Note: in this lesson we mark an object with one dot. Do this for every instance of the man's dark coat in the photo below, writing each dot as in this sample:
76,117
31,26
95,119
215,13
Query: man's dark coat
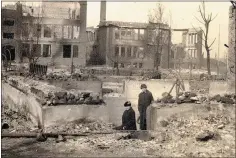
144,100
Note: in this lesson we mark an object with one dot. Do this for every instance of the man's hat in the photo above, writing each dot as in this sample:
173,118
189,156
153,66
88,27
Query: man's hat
143,86
128,103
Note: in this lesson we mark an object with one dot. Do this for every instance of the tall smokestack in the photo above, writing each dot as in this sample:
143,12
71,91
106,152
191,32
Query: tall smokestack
83,20
103,11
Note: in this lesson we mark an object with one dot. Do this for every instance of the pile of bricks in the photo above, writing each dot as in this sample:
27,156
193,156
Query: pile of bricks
187,97
61,98
57,77
226,99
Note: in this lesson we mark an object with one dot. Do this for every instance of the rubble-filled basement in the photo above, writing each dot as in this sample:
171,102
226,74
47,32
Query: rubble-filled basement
68,117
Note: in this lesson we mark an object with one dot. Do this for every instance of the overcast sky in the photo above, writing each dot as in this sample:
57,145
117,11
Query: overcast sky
181,15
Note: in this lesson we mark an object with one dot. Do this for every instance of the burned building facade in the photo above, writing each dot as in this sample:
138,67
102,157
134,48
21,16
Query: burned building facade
188,54
130,45
192,41
55,33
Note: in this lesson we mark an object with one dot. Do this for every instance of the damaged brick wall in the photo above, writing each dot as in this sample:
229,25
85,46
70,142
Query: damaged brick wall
232,45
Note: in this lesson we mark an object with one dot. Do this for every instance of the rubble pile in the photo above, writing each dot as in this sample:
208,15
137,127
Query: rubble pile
186,97
51,95
60,77
63,97
190,97
14,121
226,99
187,134
80,126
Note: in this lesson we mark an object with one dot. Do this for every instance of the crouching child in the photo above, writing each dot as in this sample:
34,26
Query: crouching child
128,118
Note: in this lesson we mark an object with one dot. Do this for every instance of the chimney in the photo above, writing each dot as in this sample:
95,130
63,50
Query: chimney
83,20
103,11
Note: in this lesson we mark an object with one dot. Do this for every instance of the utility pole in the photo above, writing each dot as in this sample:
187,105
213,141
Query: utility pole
72,63
169,50
226,60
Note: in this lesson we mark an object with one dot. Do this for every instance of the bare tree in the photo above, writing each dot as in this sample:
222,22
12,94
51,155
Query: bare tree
157,14
115,61
162,35
31,32
205,20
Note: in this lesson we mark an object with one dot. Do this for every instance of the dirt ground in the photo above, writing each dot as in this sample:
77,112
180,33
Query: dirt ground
175,139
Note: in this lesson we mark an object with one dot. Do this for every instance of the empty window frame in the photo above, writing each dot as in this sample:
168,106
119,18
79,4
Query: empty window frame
47,31
129,51
140,65
58,31
75,51
117,51
136,34
135,49
195,53
122,51
46,50
8,35
189,38
25,49
9,22
117,33
37,30
141,34
66,51
122,33
76,32
67,32
196,38
141,52
128,33
37,50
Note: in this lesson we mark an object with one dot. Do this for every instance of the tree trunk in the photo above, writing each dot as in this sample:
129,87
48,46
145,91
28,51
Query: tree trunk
117,71
208,63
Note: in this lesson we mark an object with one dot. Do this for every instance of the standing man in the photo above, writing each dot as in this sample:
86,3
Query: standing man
144,100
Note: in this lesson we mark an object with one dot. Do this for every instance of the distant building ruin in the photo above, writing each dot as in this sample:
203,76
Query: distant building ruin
55,32
132,44
191,47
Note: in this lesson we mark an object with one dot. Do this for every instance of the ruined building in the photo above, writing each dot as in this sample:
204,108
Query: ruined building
55,32
133,45
188,54
232,48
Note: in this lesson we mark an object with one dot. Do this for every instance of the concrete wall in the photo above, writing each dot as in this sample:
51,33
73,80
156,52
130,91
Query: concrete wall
157,87
111,113
220,87
155,115
54,115
18,100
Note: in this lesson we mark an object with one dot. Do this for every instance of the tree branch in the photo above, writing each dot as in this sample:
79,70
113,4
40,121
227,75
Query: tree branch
199,20
212,43
202,15
214,17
